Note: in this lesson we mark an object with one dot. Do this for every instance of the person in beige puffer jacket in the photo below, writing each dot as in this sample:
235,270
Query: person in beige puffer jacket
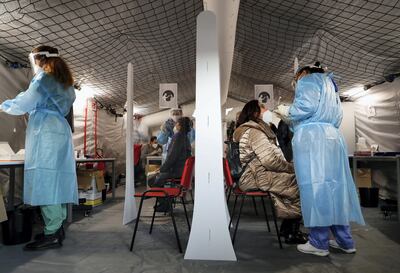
267,169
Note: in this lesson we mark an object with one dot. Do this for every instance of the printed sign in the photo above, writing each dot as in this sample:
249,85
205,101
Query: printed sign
168,95
264,93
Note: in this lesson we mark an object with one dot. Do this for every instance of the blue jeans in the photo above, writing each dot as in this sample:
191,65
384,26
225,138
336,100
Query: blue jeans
319,237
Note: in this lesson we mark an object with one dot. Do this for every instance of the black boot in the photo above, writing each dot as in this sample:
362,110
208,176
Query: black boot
164,205
46,242
295,236
285,228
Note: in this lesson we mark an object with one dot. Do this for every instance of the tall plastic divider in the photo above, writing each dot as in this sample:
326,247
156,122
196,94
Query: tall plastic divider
209,237
129,205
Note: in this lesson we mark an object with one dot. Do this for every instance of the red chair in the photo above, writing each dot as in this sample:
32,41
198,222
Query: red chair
170,194
244,194
137,150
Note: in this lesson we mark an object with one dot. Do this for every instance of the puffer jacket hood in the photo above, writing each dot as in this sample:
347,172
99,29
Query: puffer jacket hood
261,125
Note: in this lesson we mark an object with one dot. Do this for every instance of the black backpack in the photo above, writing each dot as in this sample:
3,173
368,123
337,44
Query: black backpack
233,157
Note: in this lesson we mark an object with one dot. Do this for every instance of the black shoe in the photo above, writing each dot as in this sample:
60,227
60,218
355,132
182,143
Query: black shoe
47,242
163,206
296,239
60,232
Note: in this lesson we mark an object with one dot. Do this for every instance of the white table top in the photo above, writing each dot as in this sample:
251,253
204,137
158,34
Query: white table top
154,157
375,158
12,162
83,160
5,163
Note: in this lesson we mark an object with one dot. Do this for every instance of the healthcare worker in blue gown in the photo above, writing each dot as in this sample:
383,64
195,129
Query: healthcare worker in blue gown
50,175
329,200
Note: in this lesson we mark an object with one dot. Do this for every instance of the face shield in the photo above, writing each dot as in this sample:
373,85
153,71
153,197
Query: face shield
32,55
176,114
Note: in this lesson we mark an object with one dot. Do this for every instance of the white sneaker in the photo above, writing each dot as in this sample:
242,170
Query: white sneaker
309,249
334,244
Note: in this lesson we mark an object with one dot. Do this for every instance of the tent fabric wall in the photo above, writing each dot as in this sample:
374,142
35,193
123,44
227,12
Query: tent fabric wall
106,132
12,82
12,128
382,129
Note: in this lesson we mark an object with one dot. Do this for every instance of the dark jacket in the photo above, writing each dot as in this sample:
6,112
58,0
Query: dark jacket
284,136
178,151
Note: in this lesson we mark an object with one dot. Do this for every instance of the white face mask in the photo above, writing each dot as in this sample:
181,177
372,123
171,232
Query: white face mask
155,145
176,118
267,116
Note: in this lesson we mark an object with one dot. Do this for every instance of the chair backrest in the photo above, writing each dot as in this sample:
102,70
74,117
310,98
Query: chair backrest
227,173
137,149
186,178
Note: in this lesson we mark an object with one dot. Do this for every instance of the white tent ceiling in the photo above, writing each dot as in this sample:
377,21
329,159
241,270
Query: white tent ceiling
358,40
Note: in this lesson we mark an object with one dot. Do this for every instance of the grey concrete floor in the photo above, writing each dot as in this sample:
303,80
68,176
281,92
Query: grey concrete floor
99,243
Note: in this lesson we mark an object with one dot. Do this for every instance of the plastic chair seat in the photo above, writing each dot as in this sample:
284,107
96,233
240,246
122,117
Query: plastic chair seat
250,193
160,192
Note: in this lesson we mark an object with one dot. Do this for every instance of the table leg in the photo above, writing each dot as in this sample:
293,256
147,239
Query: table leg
11,191
113,179
398,187
355,171
69,213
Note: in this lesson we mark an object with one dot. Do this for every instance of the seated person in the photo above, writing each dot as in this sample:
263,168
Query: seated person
150,149
267,169
178,151
166,133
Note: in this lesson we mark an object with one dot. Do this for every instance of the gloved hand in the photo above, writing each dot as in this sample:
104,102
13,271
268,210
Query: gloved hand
282,112
168,127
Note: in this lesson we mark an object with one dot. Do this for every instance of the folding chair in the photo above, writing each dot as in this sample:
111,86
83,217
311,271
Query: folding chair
244,194
169,194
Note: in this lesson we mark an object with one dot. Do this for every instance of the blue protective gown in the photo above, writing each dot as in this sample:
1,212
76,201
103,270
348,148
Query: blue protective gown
327,190
50,174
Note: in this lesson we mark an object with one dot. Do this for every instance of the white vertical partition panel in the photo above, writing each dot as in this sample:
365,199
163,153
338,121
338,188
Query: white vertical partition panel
348,127
209,238
129,205
227,14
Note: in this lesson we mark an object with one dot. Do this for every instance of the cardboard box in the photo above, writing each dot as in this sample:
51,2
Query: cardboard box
93,203
93,197
152,168
3,213
90,194
91,179
364,178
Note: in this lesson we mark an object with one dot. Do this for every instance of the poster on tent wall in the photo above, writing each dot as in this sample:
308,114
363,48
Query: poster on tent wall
264,93
168,95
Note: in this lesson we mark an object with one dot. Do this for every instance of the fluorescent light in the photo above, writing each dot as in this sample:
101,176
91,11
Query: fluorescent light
227,110
354,91
83,95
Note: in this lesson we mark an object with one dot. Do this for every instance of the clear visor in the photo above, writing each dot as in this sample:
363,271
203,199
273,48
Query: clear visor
34,66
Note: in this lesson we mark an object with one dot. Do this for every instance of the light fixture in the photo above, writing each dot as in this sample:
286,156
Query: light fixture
227,111
82,95
354,91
